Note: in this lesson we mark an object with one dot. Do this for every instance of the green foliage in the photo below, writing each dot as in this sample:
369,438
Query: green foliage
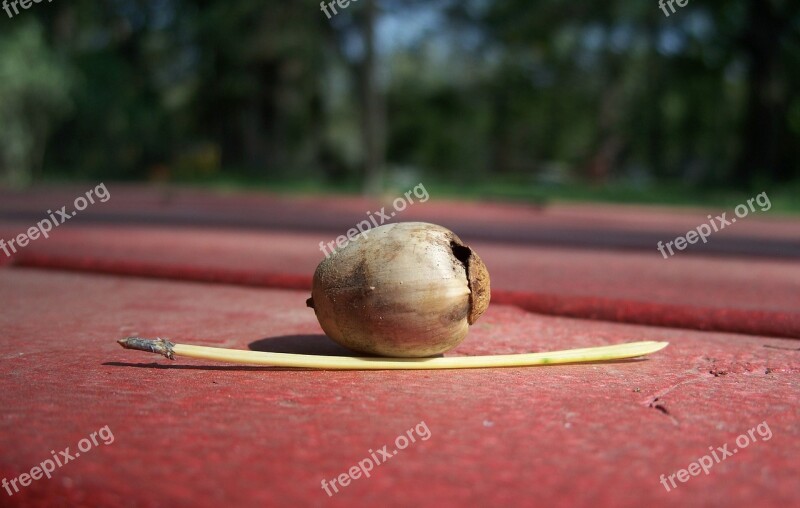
579,94
34,85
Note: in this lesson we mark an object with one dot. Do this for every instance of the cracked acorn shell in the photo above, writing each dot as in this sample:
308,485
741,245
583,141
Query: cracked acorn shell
409,289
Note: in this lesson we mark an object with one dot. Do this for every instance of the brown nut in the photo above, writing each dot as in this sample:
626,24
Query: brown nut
409,289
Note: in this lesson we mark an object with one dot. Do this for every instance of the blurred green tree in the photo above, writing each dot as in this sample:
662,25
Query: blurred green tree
525,92
34,85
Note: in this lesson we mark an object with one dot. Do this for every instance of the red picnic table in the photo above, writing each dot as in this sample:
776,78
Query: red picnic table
712,420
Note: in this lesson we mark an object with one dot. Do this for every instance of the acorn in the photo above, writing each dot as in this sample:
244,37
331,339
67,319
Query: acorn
408,289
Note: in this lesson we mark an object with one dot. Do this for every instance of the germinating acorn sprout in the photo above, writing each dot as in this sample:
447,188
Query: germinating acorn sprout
590,354
407,291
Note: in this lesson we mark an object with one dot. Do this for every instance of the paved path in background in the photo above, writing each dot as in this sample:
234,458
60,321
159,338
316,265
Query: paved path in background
607,227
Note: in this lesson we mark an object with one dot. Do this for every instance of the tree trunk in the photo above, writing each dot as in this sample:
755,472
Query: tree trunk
761,129
372,125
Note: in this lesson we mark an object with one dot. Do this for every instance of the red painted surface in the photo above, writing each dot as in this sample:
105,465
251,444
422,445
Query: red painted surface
752,296
192,432
195,433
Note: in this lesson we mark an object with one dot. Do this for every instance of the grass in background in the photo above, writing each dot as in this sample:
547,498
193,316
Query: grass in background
785,199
